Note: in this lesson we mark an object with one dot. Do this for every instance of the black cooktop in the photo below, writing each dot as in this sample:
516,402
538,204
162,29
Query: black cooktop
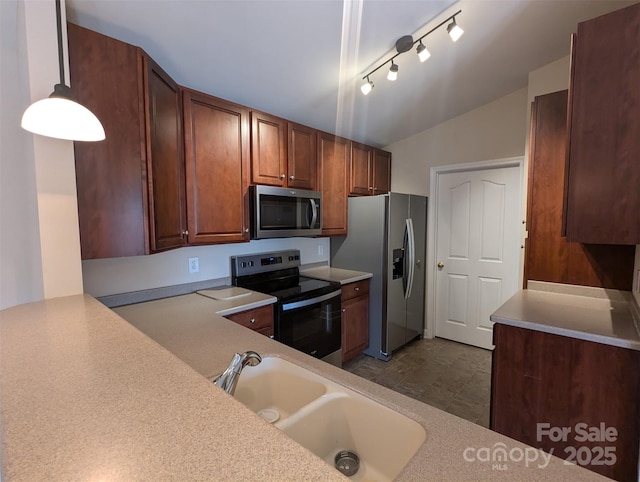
306,288
277,274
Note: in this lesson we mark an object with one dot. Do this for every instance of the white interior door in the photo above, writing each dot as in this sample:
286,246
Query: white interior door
477,250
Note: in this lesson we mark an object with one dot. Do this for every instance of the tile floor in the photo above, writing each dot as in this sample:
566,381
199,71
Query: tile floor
448,375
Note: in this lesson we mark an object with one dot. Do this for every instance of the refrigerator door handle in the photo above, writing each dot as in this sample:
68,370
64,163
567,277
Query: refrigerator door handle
410,258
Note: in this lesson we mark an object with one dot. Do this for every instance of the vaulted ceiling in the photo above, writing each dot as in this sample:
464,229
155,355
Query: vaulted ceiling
304,59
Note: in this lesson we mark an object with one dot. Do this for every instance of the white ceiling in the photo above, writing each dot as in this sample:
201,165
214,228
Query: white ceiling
303,59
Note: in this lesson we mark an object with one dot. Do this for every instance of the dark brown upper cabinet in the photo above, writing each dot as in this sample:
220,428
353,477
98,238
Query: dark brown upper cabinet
333,160
370,170
131,186
217,166
268,149
603,183
548,255
302,156
282,153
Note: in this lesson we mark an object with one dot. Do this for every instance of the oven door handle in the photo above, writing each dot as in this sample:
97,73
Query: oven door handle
312,301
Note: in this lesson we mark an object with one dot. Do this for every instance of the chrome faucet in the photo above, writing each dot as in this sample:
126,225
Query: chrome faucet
229,378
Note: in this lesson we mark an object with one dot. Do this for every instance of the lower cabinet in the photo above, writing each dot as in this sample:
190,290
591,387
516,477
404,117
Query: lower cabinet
577,399
257,319
355,319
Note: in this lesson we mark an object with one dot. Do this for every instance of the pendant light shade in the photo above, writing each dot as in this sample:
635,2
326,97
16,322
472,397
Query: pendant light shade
59,115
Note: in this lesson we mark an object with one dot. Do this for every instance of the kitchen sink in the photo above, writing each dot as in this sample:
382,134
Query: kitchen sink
275,388
328,418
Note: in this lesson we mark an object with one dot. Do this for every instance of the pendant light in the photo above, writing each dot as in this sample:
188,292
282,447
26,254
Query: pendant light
59,115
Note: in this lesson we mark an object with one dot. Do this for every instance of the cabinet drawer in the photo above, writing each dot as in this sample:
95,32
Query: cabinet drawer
258,319
352,290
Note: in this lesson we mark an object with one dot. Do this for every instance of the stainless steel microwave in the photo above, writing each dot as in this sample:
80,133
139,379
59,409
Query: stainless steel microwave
278,212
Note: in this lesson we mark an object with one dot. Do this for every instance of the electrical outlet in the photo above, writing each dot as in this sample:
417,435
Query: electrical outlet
194,265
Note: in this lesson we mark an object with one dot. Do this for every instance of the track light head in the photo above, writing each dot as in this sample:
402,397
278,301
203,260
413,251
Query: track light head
393,71
454,30
367,87
423,53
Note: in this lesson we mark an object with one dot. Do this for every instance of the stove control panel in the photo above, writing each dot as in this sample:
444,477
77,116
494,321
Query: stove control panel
264,262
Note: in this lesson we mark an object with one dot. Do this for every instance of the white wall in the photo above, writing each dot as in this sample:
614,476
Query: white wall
121,275
20,263
493,131
545,80
40,239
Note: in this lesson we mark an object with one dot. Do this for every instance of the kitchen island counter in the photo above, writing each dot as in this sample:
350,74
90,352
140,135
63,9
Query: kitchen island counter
601,320
85,395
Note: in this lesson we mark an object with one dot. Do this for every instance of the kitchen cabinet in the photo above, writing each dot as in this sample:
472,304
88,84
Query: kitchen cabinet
131,186
548,255
355,319
381,171
268,149
217,167
282,153
333,178
543,378
257,319
302,157
370,170
602,195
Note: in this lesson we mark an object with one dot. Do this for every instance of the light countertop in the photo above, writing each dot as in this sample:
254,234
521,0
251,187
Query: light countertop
85,396
602,320
342,276
238,303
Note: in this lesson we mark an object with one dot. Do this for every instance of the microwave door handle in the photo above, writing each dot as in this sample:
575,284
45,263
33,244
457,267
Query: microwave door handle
314,213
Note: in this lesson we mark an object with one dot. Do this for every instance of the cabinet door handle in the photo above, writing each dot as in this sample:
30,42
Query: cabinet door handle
370,188
185,233
252,321
246,230
344,310
282,176
292,178
356,288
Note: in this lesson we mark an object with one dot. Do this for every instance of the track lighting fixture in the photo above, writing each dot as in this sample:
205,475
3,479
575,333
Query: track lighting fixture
367,87
59,115
423,53
393,72
454,30
406,43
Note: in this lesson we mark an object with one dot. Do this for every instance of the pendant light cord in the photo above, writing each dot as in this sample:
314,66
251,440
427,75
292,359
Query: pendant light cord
60,49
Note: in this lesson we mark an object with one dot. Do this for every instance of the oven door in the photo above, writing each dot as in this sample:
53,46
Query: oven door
312,326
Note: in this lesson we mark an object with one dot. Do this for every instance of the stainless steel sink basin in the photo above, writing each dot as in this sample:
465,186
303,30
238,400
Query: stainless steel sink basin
328,418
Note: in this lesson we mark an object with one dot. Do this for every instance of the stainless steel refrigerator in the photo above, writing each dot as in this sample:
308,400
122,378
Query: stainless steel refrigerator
387,237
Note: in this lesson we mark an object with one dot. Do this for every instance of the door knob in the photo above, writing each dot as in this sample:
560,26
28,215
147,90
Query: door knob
440,265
